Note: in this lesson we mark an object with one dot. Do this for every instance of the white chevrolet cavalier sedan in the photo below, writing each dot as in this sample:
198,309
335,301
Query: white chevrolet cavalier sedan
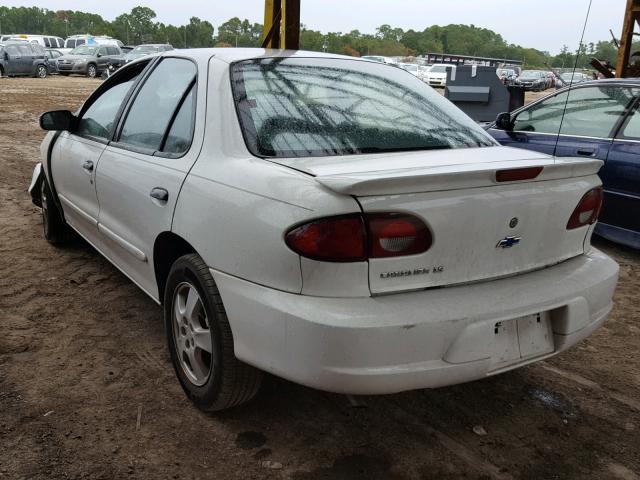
329,220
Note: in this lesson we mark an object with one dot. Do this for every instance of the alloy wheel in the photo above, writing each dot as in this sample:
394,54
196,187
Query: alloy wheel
42,71
192,334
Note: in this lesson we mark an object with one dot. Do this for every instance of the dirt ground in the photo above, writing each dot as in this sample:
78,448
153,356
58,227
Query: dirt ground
87,390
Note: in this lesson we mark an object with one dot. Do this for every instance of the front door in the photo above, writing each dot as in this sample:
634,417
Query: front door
140,174
76,156
589,116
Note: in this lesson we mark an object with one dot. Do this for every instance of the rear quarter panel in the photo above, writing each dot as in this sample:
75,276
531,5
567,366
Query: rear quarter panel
234,209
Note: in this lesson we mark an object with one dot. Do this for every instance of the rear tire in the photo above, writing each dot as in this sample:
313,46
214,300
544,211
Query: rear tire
193,312
41,71
54,228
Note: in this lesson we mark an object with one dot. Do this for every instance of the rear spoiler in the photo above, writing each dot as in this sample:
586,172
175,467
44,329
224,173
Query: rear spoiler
453,177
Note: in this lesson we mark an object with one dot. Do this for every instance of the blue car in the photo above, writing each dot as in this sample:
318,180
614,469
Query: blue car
601,121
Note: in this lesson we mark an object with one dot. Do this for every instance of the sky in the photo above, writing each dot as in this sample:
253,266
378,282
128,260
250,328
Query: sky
542,24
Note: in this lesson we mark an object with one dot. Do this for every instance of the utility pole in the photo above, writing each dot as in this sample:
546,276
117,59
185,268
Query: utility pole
185,36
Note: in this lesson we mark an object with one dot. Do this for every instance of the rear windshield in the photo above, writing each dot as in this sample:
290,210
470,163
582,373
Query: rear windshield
302,107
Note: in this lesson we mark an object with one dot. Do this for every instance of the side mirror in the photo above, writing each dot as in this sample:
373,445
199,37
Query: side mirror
504,122
57,120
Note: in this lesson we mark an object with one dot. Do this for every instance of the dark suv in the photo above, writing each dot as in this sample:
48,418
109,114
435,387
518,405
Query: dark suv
90,60
23,58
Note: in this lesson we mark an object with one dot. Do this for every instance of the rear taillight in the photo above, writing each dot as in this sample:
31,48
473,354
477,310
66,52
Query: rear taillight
332,239
354,238
587,211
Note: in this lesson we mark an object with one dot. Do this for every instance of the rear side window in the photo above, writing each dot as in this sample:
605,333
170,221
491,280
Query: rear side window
181,133
158,105
80,41
70,43
302,107
47,42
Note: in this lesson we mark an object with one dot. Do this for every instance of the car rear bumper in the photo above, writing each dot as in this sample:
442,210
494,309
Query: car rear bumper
422,339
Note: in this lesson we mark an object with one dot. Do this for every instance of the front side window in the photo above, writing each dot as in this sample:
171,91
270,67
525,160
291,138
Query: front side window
590,112
98,120
301,107
156,104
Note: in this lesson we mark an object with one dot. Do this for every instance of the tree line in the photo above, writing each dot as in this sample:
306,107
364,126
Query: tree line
139,26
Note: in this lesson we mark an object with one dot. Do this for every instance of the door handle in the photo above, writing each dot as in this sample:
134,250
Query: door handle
586,152
88,166
159,194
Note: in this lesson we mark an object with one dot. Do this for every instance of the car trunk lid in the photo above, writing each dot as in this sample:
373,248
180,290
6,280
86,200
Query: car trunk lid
481,228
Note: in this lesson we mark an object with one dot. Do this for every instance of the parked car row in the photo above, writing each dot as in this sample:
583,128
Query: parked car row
20,56
434,75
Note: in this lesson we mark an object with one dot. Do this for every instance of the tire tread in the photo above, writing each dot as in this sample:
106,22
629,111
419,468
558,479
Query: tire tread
239,382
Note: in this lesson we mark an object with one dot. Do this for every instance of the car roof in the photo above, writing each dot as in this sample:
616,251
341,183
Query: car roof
231,55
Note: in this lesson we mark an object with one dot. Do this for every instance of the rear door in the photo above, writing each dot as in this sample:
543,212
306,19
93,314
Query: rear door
28,59
141,172
621,179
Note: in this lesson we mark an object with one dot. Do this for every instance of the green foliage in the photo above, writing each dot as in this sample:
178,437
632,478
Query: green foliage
139,26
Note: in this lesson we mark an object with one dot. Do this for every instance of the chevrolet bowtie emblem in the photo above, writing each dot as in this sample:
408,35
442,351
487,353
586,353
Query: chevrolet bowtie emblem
508,242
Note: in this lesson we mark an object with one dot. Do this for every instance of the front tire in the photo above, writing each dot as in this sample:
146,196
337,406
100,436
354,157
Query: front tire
201,342
92,71
54,228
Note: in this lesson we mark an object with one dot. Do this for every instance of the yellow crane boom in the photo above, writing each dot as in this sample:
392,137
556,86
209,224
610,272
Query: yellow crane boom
281,24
